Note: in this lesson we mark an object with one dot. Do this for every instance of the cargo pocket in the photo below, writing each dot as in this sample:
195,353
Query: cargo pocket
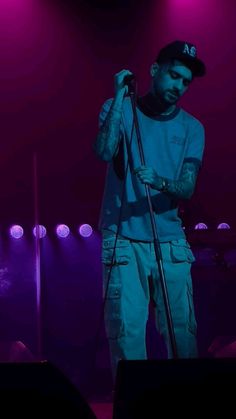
113,317
118,256
180,251
114,259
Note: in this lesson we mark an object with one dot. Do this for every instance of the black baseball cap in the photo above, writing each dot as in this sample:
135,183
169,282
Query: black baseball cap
185,52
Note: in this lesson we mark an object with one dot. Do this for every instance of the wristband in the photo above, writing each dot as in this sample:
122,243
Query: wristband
164,185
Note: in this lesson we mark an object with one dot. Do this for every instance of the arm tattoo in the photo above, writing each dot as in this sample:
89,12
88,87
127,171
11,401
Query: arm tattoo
108,137
183,188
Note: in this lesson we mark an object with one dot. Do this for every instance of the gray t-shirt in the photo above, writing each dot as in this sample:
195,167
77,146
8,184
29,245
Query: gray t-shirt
167,142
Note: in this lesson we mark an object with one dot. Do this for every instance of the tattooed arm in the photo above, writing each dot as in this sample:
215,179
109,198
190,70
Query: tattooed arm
108,137
107,141
182,188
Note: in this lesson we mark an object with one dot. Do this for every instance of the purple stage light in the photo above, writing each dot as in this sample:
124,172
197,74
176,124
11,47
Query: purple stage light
16,231
42,231
200,226
223,226
85,230
62,230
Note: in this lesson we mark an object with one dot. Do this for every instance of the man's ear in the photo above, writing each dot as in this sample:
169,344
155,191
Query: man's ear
154,69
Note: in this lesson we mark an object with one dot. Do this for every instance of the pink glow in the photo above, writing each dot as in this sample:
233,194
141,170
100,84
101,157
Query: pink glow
191,17
208,24
35,52
56,69
15,16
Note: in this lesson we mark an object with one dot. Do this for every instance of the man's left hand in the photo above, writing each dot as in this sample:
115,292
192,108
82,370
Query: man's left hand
148,176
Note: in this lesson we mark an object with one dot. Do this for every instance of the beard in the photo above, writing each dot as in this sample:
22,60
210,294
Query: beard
170,97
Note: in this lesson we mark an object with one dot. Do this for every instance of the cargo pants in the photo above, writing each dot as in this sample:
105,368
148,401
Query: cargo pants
134,281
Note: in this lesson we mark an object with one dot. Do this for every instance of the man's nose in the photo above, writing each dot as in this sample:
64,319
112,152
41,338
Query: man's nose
179,85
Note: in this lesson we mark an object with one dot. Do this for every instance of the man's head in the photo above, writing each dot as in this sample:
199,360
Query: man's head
175,67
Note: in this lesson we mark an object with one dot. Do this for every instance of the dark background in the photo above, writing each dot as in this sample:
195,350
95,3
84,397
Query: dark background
57,61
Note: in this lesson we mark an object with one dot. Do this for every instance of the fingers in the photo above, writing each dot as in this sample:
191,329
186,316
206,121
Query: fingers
119,80
143,174
121,75
139,169
146,175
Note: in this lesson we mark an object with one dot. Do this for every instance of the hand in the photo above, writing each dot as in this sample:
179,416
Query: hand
148,176
120,88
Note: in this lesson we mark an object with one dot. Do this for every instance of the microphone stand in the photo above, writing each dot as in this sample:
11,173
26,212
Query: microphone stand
132,94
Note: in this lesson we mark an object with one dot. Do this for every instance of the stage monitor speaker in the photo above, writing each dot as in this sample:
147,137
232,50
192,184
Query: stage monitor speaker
39,388
179,387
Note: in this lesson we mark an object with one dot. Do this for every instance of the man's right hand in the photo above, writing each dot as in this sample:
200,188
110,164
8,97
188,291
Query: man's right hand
121,89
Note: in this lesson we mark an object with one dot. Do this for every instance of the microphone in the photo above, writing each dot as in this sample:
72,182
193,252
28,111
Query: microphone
129,79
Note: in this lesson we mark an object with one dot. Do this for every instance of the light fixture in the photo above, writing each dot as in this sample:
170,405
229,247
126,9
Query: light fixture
85,230
41,231
62,230
200,226
16,231
223,226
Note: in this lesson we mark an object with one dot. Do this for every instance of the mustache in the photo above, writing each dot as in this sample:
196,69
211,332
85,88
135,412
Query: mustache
174,92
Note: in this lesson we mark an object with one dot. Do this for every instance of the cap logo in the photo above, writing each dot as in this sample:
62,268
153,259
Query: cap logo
192,51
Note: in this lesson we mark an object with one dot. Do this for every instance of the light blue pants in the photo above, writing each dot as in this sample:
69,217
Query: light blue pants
134,280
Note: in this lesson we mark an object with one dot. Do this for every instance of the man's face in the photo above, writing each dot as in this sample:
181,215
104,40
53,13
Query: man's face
170,81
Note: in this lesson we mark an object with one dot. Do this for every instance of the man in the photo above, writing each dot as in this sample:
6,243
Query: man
173,144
